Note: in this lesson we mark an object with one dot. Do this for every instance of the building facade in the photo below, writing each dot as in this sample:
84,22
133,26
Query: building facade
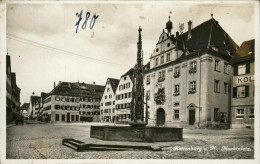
242,109
35,107
25,110
188,82
12,93
107,103
73,102
124,97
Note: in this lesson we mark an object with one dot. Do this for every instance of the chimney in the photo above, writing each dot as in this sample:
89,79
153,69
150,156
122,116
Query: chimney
94,83
54,85
59,82
177,34
189,29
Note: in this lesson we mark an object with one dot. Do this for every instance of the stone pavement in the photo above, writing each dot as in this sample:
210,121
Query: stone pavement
44,141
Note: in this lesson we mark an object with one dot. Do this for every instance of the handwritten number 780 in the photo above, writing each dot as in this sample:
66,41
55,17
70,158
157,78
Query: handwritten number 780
92,23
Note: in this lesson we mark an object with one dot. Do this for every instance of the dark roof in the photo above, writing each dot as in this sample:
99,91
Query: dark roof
78,90
245,52
25,106
8,63
114,83
44,95
35,99
13,79
130,72
205,36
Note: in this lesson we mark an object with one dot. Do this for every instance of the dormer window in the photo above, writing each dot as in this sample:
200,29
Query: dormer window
156,61
229,53
225,43
226,36
162,59
168,57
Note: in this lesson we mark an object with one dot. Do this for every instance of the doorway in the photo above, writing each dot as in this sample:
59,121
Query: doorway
191,117
160,117
68,117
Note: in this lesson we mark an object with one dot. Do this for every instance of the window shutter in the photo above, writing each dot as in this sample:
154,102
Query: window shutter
248,68
246,91
234,92
235,70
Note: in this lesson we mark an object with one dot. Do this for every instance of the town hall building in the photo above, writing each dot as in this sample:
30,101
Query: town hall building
189,77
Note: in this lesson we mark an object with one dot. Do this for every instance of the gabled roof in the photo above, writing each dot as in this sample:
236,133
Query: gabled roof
77,89
204,36
245,52
35,99
44,95
25,106
8,63
114,83
130,72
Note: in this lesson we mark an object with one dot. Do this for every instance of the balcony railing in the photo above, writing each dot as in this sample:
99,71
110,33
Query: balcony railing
176,74
160,79
191,91
176,93
193,70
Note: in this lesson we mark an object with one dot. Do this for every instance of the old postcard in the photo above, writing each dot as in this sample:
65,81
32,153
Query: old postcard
129,81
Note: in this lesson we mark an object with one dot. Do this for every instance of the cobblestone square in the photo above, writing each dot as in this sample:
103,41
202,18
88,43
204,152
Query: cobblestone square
44,141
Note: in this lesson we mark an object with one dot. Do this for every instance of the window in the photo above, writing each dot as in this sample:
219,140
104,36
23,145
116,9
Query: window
216,110
251,113
240,114
225,87
168,44
147,95
63,117
110,96
108,89
177,71
161,76
113,102
63,99
147,79
72,117
77,117
192,88
176,104
217,65
241,91
125,78
168,57
225,68
177,88
56,107
157,49
176,114
162,59
105,97
156,61
57,117
57,98
242,69
216,86
193,67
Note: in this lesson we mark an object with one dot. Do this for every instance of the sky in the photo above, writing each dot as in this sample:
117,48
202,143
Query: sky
33,28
